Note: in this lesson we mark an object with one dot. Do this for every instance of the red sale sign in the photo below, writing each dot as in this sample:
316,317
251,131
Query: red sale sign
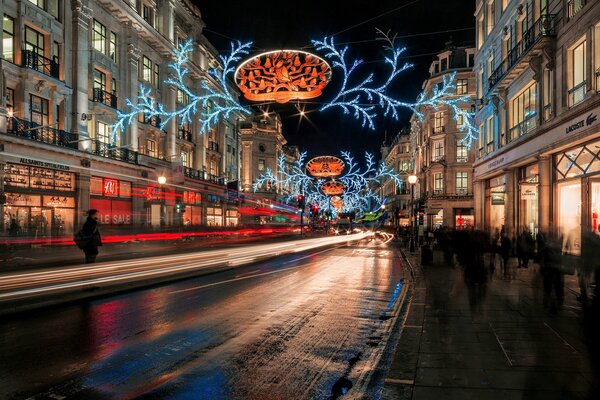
110,187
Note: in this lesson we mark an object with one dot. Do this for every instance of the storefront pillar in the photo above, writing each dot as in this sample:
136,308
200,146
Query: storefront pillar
83,198
544,194
81,56
138,206
131,88
479,204
172,128
512,199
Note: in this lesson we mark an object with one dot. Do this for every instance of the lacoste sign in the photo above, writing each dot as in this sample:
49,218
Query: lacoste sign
585,122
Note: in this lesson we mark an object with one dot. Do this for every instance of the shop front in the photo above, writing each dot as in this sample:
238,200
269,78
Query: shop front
528,211
112,198
464,219
40,201
496,205
231,217
192,216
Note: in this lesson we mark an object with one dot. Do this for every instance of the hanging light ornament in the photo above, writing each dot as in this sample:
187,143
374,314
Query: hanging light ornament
337,203
333,188
282,75
325,167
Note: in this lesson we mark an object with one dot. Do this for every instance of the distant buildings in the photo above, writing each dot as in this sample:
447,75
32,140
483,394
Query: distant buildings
399,156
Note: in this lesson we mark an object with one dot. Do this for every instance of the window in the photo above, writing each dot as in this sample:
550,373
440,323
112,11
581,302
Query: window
150,71
112,46
99,37
261,164
10,100
438,151
50,6
186,159
151,148
8,38
547,94
213,167
577,79
438,183
462,182
438,123
102,132
490,135
34,41
575,6
523,112
460,121
462,86
113,87
148,14
39,110
444,64
462,154
182,97
480,141
99,80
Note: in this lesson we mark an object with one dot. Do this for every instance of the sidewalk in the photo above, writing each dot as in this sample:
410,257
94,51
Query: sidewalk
505,346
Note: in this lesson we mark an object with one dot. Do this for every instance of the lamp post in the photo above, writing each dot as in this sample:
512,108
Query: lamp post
412,179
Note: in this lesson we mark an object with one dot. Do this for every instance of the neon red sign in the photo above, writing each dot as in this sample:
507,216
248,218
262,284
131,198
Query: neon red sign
110,187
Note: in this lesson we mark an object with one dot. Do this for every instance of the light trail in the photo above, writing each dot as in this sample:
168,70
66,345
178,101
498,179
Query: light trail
58,280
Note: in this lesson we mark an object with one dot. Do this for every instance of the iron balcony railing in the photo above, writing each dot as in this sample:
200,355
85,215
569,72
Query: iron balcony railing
545,26
116,153
104,97
40,133
574,6
185,134
39,63
214,146
153,120
525,126
577,94
202,175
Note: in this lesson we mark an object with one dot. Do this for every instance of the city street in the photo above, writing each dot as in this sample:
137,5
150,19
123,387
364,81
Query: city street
309,325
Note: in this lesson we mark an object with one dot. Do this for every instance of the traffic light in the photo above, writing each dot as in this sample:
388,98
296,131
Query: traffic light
301,202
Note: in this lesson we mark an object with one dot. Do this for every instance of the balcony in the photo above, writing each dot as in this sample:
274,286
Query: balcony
214,146
574,6
523,127
185,134
32,60
542,31
577,94
116,153
104,97
202,175
153,121
32,131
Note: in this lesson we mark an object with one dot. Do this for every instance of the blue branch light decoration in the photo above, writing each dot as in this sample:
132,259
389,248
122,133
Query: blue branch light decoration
214,102
364,98
359,193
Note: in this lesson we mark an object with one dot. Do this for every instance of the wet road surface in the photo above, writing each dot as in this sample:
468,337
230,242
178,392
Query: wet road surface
306,326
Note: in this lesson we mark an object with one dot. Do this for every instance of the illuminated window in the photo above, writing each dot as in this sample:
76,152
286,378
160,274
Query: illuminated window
462,154
102,132
438,151
261,164
8,38
99,37
99,80
151,148
462,86
522,113
186,159
577,80
34,41
146,69
438,122
112,46
462,182
438,183
50,6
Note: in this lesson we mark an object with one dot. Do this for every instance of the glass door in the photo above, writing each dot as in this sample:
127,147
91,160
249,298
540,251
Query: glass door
569,216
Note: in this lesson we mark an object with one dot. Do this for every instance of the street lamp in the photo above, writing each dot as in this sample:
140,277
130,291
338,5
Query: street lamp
162,180
412,179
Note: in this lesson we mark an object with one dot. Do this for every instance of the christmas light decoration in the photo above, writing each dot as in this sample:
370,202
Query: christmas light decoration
325,167
282,75
215,103
332,188
365,98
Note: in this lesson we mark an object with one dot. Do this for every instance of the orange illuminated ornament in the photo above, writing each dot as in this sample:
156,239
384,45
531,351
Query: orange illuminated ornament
282,75
333,188
337,202
325,167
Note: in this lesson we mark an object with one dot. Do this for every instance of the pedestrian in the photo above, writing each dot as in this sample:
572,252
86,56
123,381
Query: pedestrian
589,262
525,247
505,251
552,273
91,237
14,228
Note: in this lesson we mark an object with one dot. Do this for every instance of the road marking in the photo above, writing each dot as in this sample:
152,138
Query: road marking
400,381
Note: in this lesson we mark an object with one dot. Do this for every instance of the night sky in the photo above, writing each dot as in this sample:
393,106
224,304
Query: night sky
284,24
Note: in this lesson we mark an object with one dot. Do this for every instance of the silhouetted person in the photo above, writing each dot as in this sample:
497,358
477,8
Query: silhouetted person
474,267
525,246
91,233
14,228
551,270
505,250
590,261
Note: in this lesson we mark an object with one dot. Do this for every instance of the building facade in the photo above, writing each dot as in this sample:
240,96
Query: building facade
262,145
538,73
443,162
398,155
67,67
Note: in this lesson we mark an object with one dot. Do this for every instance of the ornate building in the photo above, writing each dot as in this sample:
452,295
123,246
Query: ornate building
398,155
442,162
67,67
538,74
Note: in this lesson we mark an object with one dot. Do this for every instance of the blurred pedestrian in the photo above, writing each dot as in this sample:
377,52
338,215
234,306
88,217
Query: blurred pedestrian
589,262
91,236
525,247
14,228
474,268
552,273
505,251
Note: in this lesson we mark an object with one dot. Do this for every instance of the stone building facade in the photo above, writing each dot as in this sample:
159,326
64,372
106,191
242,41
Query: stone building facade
398,155
67,67
538,73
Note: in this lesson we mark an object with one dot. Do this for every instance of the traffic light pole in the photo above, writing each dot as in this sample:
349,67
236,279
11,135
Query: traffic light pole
301,222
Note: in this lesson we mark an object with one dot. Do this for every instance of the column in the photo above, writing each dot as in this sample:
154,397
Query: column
479,204
81,72
83,198
2,195
511,202
138,209
130,88
544,194
166,12
170,151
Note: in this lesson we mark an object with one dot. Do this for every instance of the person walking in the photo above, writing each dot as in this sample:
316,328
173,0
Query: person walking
552,274
505,251
525,247
92,235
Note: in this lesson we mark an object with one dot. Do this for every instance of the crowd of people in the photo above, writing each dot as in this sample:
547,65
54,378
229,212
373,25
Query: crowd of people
483,256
